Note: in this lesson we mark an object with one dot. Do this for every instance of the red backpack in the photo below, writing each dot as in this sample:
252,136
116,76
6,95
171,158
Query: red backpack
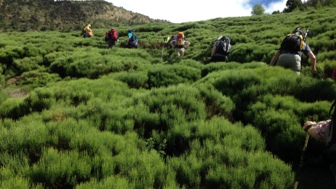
113,34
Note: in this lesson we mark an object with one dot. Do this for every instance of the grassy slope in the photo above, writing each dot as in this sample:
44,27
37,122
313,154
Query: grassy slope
248,33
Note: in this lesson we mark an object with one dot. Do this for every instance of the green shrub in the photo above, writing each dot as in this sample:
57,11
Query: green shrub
39,100
221,157
3,96
109,182
278,120
61,169
13,108
53,56
19,183
213,67
163,76
9,53
216,103
27,64
37,78
135,80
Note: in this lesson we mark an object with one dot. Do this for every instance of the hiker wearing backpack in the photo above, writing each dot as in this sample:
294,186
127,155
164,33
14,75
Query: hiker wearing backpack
172,38
221,49
180,44
291,49
323,131
111,38
87,31
132,41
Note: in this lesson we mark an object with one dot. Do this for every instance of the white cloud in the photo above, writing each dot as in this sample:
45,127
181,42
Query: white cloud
184,11
276,6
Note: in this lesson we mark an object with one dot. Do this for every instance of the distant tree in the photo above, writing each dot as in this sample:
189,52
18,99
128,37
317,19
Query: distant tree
258,9
292,5
276,12
316,3
331,3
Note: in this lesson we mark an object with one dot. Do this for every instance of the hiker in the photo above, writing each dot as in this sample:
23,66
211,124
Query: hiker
180,44
167,40
111,38
320,131
317,130
291,50
172,38
87,31
132,41
221,49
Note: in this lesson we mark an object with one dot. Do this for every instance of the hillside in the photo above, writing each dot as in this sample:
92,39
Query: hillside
25,15
74,114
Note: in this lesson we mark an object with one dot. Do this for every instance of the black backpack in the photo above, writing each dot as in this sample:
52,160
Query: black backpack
330,141
224,45
292,42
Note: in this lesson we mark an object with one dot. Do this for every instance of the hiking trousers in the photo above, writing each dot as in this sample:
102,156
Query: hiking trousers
111,42
290,61
180,51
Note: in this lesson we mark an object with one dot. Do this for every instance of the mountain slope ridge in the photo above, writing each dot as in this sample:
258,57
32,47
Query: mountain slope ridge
27,15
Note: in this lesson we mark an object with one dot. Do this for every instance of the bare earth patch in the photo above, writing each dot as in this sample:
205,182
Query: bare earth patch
17,93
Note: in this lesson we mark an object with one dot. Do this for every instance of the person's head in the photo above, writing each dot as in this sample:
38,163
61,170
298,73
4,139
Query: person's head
219,37
180,34
89,25
130,31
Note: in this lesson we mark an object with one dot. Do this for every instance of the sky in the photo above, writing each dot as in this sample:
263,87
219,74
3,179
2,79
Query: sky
179,11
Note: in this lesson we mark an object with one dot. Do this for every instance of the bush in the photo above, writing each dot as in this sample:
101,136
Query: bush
35,79
135,80
163,76
238,151
13,109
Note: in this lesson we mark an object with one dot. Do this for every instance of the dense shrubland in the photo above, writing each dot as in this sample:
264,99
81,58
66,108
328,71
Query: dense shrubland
87,117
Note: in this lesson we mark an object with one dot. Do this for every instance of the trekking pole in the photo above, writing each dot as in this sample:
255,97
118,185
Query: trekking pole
162,53
297,176
306,34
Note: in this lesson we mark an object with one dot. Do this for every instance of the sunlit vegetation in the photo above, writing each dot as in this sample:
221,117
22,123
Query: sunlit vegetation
75,114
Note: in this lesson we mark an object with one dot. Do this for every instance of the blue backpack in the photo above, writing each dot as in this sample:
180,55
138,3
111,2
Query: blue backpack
134,40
